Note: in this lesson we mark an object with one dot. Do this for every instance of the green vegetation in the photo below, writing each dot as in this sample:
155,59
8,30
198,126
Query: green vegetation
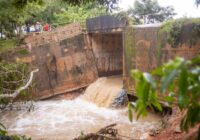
12,76
7,44
149,11
110,4
172,31
23,52
176,82
55,12
12,18
178,32
59,13
129,46
4,135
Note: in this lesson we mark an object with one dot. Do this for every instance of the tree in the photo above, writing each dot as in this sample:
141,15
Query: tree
51,7
149,11
110,4
13,77
58,12
12,18
72,14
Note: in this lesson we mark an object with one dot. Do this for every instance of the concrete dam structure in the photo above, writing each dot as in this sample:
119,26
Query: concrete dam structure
69,58
100,59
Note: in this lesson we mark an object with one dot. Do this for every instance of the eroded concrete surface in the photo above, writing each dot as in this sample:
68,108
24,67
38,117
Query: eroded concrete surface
64,60
69,58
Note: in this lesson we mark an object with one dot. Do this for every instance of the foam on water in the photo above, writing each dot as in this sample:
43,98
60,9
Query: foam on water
64,119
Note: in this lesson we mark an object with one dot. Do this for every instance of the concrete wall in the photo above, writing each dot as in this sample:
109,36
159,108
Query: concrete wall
64,60
69,59
142,51
108,52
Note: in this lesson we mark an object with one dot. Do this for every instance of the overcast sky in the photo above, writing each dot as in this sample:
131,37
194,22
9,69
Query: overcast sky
182,7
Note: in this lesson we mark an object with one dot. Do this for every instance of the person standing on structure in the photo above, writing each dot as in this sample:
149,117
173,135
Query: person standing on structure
46,27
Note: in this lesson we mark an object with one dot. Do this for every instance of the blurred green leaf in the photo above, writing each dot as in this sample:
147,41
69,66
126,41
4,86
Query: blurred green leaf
130,115
167,80
150,80
179,79
183,98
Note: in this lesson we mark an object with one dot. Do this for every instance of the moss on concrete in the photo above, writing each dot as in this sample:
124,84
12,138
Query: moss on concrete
23,52
129,45
178,32
173,32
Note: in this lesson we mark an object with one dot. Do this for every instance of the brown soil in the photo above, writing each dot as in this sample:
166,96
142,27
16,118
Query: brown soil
173,132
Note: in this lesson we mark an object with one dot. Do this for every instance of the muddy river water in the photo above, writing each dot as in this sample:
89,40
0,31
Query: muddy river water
67,119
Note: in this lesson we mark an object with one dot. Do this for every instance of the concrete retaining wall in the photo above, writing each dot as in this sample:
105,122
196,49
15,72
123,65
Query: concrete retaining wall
142,50
64,60
69,59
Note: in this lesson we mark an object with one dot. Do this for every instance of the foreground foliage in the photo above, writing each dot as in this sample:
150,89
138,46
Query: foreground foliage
176,82
4,135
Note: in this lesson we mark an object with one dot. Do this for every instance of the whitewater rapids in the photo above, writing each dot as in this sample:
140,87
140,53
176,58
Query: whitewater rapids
67,119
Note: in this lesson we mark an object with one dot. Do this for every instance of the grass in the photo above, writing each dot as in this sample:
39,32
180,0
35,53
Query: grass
23,52
7,45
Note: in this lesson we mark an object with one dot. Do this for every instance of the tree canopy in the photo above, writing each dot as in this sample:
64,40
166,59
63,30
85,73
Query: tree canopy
149,11
56,12
12,17
109,3
59,13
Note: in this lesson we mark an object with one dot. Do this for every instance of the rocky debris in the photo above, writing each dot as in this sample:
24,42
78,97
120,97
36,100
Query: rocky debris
108,133
29,106
121,99
154,132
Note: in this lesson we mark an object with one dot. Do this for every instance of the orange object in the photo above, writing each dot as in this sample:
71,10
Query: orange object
46,27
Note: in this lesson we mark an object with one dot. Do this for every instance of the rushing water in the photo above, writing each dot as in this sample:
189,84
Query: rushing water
104,90
67,119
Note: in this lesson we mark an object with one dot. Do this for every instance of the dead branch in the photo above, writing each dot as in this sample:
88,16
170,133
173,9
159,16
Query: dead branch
108,137
106,133
16,93
105,129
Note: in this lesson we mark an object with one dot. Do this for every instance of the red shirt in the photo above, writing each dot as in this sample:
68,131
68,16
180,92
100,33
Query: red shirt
46,27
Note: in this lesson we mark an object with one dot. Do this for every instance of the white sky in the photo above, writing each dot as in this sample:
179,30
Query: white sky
182,7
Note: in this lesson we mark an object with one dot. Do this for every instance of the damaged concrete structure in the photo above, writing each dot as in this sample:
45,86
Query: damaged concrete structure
69,58
64,59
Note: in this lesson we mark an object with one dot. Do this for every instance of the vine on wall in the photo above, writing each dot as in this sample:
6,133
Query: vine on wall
180,31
